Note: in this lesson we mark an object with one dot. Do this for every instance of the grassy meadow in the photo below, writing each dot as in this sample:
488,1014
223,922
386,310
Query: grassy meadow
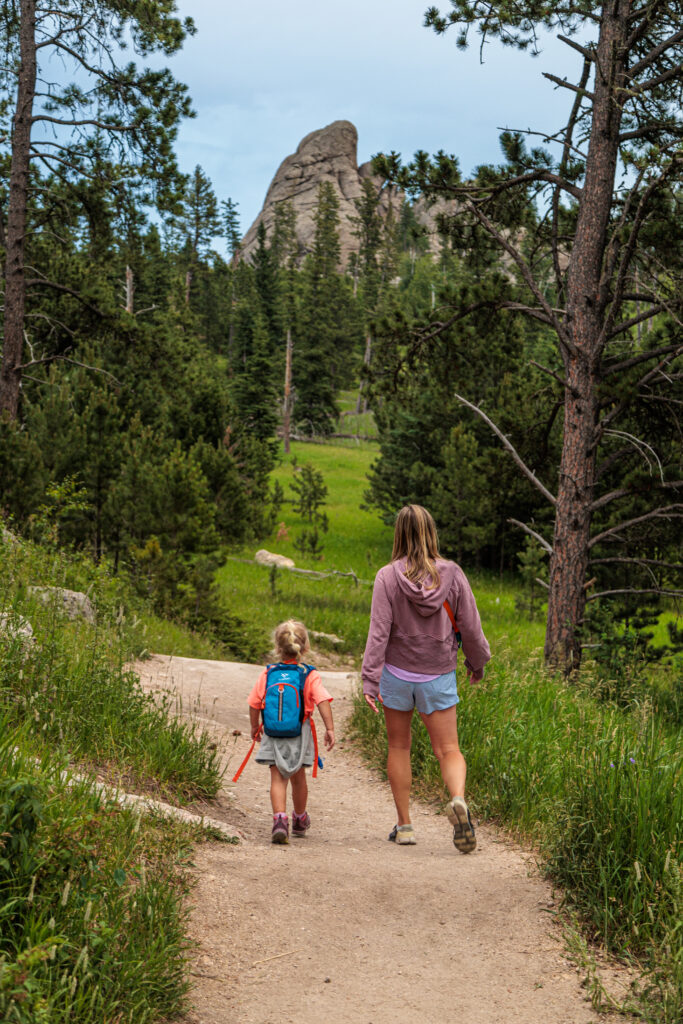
357,541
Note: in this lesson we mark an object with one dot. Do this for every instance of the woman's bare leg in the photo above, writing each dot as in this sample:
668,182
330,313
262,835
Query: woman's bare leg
442,727
398,761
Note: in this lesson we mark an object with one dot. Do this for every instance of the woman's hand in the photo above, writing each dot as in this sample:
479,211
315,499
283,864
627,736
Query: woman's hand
328,739
371,702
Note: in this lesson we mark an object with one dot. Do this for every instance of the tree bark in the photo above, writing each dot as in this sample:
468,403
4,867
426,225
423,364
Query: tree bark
587,300
287,408
15,281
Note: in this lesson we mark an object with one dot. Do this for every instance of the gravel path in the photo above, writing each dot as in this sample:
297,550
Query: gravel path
343,927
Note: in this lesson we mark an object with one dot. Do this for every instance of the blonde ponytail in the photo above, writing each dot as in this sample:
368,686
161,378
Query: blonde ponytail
291,640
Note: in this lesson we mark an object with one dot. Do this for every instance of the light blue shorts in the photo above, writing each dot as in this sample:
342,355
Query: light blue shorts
436,695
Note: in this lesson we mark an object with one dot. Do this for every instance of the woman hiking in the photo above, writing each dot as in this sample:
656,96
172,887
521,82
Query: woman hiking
410,660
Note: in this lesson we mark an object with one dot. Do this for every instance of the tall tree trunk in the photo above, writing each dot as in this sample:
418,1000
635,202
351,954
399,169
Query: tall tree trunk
15,281
587,300
130,291
287,410
361,402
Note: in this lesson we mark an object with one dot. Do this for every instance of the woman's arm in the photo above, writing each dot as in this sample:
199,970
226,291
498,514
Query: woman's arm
474,644
381,618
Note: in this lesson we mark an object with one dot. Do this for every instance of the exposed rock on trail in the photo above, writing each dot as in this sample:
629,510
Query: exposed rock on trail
346,928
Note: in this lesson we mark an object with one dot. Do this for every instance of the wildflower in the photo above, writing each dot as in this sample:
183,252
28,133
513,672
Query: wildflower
611,764
632,760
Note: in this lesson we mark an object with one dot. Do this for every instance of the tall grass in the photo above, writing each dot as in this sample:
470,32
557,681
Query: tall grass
92,895
92,900
71,683
596,789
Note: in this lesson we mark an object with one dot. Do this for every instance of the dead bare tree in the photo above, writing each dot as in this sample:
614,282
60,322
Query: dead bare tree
600,232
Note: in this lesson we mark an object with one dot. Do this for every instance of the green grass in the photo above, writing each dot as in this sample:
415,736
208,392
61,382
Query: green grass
73,685
92,900
357,540
92,896
362,424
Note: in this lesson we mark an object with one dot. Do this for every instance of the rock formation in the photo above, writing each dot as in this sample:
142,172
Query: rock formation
329,154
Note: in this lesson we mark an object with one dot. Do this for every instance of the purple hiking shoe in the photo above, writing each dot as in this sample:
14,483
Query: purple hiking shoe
280,833
301,824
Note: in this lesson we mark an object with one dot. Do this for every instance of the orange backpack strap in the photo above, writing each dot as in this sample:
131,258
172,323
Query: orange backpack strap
241,768
451,616
314,773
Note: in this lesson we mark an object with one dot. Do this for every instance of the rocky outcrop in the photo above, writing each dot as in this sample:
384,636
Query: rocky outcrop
71,603
329,154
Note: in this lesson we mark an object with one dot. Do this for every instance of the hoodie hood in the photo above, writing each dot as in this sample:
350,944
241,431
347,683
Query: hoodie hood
426,602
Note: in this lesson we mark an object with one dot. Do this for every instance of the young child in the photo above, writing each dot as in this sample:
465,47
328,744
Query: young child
289,756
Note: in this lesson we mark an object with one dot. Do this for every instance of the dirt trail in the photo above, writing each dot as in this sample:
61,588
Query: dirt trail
372,933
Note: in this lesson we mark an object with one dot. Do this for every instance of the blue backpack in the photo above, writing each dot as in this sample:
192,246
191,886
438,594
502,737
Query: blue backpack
283,704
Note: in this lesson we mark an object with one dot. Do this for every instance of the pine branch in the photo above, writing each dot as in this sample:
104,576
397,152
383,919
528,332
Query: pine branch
652,83
654,53
561,380
509,446
43,282
527,275
665,512
626,364
635,320
532,533
629,590
638,561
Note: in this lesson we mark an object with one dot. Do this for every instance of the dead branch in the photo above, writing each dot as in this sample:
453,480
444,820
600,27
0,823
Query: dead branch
526,274
638,561
532,533
644,590
508,444
556,376
583,93
665,512
626,364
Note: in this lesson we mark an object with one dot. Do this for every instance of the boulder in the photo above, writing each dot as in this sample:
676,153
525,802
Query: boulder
327,638
264,557
72,603
13,626
7,537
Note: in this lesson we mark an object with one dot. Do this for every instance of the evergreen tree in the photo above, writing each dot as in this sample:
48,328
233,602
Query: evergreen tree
329,328
138,110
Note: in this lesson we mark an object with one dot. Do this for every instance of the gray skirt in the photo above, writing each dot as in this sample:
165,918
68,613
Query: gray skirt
287,753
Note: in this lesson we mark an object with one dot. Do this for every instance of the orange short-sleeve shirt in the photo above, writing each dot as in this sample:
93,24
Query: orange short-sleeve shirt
314,691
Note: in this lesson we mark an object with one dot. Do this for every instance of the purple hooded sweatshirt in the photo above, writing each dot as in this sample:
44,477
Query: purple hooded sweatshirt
410,628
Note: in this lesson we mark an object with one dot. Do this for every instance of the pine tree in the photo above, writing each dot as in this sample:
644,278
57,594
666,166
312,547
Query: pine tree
329,328
137,110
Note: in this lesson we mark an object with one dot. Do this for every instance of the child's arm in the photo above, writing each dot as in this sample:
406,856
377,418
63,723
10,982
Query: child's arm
255,719
326,715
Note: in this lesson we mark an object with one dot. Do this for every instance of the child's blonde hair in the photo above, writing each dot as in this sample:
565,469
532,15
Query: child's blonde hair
291,639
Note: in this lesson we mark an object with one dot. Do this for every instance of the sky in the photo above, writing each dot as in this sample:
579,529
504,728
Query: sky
261,76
